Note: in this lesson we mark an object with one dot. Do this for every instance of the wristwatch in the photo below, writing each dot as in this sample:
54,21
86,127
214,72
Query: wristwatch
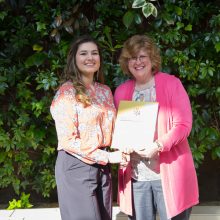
158,145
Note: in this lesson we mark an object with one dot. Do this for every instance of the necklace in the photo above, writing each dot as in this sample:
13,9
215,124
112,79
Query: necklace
147,85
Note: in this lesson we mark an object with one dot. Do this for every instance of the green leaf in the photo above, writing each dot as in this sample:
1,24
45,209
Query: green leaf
128,18
107,32
179,25
3,156
211,71
217,152
36,59
49,150
170,52
178,10
58,21
138,3
169,19
137,19
154,10
3,87
3,14
16,186
149,9
37,47
41,26
217,47
23,202
188,27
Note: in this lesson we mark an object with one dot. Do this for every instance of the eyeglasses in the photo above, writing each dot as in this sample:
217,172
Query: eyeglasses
135,59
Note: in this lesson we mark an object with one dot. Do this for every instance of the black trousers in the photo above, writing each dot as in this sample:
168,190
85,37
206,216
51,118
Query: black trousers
84,191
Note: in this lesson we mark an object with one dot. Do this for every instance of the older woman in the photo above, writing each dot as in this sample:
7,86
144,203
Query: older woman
162,176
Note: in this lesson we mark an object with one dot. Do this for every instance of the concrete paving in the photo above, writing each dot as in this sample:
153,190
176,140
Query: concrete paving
31,214
198,213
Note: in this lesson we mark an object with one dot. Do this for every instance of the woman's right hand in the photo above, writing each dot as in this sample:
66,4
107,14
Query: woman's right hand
127,150
118,157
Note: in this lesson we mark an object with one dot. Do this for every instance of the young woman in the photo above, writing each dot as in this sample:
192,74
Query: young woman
84,116
161,177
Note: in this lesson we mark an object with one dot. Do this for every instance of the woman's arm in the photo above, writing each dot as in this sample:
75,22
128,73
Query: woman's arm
65,116
181,117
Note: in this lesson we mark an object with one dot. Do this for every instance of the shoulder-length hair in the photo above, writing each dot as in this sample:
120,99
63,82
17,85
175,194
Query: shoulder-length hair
131,48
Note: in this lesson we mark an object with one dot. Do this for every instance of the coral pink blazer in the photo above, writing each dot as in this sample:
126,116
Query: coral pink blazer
178,175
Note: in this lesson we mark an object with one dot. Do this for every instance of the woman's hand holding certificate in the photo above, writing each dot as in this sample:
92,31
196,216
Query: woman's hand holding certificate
150,151
127,150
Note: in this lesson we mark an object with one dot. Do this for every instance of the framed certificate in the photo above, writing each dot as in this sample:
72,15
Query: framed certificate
135,124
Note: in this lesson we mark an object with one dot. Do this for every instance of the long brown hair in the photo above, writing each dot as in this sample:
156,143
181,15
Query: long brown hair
72,72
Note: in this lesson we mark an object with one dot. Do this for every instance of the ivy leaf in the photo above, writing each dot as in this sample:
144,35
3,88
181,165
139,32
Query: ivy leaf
139,3
137,19
149,9
58,21
168,18
57,37
128,18
54,32
69,29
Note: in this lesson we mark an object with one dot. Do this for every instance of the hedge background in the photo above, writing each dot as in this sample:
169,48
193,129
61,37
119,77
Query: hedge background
34,39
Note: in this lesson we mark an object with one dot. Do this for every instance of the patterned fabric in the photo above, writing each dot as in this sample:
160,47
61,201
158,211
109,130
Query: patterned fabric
146,95
145,169
82,131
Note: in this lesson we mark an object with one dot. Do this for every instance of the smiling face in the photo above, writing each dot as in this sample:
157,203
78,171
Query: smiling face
140,58
140,67
87,60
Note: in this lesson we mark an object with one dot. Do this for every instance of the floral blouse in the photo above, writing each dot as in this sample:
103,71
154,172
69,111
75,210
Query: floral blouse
84,131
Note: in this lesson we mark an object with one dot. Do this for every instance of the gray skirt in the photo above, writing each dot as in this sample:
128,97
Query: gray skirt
84,191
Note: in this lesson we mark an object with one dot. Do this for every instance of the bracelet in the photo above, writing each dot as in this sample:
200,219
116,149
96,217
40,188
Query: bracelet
158,145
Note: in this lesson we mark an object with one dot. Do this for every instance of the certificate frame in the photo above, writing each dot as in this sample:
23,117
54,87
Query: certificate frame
135,125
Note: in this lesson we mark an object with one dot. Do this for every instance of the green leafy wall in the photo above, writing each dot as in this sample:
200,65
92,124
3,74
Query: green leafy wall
34,39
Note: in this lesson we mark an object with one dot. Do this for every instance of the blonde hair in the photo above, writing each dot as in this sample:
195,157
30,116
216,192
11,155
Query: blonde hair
72,72
131,48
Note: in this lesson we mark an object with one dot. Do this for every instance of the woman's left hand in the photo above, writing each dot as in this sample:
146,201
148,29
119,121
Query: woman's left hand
148,152
125,160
